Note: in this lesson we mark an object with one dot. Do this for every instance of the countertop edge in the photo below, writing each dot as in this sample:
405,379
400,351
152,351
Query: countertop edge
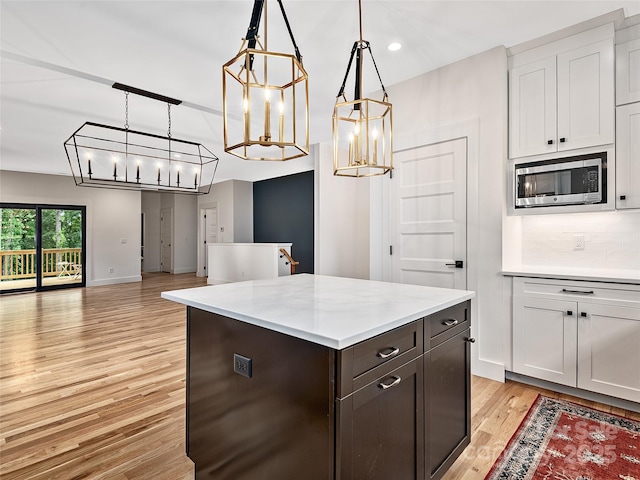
335,343
598,277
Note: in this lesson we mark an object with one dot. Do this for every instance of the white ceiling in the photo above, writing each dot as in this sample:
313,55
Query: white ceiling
59,59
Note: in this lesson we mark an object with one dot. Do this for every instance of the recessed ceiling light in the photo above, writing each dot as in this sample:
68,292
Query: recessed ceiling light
394,46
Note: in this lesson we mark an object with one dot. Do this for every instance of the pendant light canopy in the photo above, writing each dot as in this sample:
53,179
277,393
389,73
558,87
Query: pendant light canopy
269,93
105,156
362,127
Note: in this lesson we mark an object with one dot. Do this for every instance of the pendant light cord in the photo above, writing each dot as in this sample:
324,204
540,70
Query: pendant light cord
360,17
254,25
361,45
293,40
126,110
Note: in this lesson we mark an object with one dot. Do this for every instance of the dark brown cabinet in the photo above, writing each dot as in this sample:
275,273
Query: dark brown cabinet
447,393
393,406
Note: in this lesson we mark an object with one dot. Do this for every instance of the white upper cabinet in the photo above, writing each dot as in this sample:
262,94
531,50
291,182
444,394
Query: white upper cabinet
563,101
628,72
628,156
586,107
532,106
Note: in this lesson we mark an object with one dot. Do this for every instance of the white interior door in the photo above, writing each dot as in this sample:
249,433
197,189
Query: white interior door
429,215
210,233
166,235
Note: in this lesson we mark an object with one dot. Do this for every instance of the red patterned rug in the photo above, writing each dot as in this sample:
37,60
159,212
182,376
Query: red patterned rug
560,440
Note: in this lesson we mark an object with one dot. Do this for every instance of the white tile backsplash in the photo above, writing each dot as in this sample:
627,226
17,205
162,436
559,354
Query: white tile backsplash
612,240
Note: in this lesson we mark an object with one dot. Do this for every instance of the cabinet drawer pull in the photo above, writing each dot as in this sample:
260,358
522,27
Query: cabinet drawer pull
590,292
392,353
450,323
385,386
569,313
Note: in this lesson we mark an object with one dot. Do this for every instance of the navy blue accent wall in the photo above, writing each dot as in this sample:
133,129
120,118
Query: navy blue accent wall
283,213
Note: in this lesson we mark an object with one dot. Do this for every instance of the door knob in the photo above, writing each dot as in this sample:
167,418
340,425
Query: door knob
457,264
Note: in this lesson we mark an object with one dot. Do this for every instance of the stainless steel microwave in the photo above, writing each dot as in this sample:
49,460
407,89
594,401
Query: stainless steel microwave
575,180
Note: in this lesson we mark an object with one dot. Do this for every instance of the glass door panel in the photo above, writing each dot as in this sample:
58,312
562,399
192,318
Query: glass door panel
18,248
62,252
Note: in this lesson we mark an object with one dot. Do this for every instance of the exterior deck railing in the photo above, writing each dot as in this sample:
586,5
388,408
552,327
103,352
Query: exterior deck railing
21,264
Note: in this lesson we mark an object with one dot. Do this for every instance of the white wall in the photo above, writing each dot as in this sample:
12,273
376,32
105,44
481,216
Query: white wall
470,92
234,199
151,208
612,240
185,233
234,202
242,211
341,220
112,216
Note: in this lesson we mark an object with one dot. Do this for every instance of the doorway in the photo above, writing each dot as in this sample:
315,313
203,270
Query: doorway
42,247
429,215
208,235
166,239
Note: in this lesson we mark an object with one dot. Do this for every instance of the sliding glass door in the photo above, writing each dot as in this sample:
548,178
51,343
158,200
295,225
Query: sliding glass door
42,247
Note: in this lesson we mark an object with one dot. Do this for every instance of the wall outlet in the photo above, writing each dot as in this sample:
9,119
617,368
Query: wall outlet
242,365
578,242
110,269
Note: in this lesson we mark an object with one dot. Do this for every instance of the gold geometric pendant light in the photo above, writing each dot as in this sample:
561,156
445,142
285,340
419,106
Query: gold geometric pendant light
265,98
362,128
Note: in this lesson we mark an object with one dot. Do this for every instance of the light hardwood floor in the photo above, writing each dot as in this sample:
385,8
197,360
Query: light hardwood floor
92,386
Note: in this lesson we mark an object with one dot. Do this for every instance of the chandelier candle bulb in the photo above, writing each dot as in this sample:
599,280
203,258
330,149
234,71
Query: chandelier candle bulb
89,165
247,120
351,149
137,171
281,123
158,175
356,139
374,134
115,168
178,179
267,115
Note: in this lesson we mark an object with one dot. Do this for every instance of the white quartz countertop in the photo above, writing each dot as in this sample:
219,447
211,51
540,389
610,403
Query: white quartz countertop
575,273
332,311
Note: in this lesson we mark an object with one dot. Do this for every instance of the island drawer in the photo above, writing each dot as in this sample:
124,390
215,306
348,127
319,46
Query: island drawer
360,363
445,324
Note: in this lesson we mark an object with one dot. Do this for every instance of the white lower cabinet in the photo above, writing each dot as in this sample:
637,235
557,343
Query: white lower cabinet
545,338
609,350
579,334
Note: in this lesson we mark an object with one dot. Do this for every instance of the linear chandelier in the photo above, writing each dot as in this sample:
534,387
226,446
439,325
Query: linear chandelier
362,128
270,92
106,156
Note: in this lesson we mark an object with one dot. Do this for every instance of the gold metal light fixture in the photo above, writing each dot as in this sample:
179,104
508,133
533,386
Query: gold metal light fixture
106,156
269,92
362,128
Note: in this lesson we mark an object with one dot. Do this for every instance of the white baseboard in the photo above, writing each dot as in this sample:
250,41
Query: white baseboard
114,281
184,270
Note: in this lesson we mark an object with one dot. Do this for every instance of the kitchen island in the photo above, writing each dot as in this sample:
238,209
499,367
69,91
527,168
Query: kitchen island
321,377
